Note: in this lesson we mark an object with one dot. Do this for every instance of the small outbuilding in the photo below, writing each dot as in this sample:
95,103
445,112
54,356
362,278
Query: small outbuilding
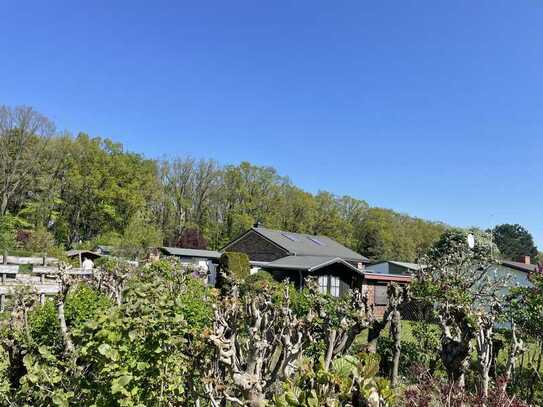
82,255
206,260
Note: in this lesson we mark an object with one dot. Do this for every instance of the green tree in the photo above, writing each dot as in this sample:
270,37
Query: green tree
24,134
514,241
139,236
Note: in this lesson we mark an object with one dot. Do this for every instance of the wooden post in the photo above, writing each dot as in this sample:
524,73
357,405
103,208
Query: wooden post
2,302
5,257
42,278
42,298
80,261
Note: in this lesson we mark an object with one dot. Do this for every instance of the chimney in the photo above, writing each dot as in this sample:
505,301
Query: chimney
526,260
258,224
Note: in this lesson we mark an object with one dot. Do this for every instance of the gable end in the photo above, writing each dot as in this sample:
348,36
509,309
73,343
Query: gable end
257,247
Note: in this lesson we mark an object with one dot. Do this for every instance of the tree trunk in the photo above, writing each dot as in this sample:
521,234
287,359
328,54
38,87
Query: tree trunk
516,348
395,333
4,205
484,350
455,358
330,351
68,344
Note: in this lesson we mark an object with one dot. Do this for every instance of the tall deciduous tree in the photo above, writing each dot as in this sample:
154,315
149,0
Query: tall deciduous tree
514,241
24,134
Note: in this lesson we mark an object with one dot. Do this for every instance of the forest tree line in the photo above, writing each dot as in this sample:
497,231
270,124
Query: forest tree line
84,190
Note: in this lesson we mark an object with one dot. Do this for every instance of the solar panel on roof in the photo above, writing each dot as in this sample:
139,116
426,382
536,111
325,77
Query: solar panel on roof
290,237
315,240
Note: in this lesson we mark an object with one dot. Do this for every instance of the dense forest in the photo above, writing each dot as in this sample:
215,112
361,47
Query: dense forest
65,191
87,190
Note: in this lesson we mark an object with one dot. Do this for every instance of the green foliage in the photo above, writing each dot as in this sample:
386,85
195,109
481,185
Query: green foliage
144,348
8,228
139,236
412,354
351,380
233,266
82,304
426,340
260,280
45,382
4,377
88,189
514,241
384,235
41,241
44,326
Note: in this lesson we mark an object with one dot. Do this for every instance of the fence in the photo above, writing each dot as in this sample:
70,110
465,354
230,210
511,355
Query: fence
42,278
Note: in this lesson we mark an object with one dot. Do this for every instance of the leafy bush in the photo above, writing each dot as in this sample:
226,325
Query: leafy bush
351,380
144,350
82,304
8,227
258,281
233,266
408,357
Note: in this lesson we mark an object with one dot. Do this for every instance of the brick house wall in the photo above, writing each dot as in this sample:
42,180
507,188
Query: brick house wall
378,309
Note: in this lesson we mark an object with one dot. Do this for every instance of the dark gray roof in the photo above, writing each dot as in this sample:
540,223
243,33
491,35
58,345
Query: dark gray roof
301,244
528,268
308,263
179,251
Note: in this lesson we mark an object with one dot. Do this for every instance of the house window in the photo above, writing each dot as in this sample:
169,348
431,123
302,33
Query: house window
334,286
380,296
323,284
329,285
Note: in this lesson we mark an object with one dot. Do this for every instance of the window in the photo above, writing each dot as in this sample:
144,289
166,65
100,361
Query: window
334,286
329,285
323,284
380,296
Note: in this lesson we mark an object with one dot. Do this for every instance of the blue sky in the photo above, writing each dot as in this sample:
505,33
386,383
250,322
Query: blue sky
433,108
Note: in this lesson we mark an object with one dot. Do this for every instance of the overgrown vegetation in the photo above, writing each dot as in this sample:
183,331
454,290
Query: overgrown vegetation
158,335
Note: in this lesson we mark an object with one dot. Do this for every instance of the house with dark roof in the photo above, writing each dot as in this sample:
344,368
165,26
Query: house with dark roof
298,255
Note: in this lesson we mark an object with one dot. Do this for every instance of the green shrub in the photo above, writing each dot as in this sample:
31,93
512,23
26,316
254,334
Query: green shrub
233,266
82,305
258,281
44,326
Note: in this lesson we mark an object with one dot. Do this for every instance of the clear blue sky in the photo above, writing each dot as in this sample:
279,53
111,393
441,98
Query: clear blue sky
433,108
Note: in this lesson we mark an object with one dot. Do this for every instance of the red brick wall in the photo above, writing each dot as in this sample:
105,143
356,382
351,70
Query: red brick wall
379,310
